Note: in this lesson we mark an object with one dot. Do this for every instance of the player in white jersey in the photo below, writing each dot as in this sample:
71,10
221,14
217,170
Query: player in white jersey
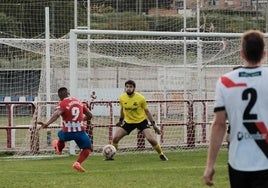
241,97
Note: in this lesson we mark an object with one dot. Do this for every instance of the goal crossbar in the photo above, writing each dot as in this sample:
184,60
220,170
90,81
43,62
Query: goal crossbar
156,33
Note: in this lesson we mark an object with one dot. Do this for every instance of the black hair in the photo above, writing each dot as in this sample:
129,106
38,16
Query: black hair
253,45
130,82
63,92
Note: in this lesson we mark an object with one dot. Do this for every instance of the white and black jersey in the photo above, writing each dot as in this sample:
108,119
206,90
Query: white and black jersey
243,94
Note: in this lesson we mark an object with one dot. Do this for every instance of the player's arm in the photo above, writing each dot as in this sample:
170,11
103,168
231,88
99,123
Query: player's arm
217,132
53,118
149,115
88,114
121,118
146,110
150,118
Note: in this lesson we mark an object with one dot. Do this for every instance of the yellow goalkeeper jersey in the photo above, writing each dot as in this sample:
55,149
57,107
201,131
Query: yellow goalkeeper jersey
133,107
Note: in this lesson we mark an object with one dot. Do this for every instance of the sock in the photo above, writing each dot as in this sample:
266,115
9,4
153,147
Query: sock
61,145
158,148
83,155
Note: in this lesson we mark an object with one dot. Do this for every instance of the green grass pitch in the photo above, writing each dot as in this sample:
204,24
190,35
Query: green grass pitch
183,170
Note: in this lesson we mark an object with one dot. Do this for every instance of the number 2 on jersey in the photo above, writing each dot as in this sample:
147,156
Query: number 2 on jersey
251,95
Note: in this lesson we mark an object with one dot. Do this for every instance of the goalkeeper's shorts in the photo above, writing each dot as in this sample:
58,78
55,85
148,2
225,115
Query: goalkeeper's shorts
129,127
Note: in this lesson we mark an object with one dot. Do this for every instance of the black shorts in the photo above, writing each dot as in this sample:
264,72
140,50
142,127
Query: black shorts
131,126
255,179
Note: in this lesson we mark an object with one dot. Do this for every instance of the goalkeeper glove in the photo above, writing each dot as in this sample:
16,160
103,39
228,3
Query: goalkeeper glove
156,128
120,123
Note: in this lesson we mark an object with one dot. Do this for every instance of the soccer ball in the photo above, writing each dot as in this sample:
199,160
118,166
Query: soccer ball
108,151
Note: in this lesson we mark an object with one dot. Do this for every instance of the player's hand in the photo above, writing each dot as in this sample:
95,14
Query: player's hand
156,128
208,176
119,124
41,123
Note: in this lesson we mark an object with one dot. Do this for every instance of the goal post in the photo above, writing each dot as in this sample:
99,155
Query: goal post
73,64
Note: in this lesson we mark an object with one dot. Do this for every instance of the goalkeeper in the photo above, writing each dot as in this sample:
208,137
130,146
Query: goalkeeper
134,114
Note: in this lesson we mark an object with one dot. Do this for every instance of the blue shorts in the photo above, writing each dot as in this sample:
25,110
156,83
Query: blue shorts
81,138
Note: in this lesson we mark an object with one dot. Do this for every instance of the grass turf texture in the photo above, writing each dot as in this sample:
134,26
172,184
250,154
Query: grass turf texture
184,169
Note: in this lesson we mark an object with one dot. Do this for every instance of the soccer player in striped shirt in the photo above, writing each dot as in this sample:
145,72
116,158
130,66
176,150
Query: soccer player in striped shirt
73,113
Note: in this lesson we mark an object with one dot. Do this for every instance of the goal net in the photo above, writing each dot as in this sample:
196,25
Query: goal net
170,69
176,72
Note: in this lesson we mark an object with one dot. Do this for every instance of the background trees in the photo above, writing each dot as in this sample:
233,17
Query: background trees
26,18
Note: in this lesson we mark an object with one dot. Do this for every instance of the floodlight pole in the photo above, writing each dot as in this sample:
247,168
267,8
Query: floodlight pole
88,47
75,14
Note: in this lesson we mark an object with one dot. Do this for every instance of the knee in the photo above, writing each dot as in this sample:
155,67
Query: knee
61,135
